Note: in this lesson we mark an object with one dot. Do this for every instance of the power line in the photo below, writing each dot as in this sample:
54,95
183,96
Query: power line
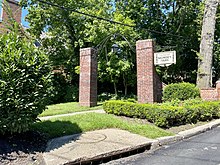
104,19
86,14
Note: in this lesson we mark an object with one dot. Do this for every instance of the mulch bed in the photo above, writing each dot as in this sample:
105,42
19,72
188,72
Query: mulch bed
22,149
174,129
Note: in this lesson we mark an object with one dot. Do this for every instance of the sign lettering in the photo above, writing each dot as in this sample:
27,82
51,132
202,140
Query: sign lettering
165,58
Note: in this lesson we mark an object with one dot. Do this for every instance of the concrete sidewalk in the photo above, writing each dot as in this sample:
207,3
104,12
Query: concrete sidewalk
93,146
71,114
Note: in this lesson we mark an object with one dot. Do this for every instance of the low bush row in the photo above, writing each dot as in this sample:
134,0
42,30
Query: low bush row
164,115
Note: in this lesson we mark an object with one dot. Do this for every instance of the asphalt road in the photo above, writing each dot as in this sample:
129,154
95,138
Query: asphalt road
203,149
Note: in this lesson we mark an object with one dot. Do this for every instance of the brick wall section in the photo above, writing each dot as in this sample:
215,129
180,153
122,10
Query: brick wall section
218,89
211,94
148,85
16,12
88,77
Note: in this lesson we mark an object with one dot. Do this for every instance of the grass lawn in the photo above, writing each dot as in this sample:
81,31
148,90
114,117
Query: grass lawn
93,121
64,108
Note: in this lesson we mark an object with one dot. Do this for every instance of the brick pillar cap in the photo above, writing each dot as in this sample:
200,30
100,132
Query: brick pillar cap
90,48
210,88
147,40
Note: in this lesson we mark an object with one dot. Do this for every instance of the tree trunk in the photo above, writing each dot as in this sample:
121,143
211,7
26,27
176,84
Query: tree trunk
115,88
204,73
125,85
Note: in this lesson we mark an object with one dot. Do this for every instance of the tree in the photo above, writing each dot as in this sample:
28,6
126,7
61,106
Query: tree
181,34
216,54
64,39
204,74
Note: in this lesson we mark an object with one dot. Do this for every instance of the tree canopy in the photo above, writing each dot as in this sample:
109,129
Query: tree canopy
174,24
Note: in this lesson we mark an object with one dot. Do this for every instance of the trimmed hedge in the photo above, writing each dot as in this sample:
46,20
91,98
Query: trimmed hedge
165,115
181,91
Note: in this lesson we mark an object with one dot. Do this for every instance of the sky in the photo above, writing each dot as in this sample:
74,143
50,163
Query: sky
24,13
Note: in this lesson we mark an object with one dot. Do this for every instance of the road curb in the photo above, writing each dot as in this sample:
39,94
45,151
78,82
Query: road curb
103,158
168,139
200,129
184,134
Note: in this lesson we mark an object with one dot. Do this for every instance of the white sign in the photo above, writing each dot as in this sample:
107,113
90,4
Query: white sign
165,58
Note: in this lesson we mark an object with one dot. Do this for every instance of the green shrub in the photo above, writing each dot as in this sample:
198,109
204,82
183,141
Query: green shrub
61,90
107,96
181,91
177,102
58,88
104,96
24,83
72,93
174,102
121,108
192,102
166,115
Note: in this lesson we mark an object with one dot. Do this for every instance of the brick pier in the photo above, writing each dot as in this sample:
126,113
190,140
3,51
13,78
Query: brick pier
88,77
149,87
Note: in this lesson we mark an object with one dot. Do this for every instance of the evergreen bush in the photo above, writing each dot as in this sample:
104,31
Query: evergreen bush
181,91
24,83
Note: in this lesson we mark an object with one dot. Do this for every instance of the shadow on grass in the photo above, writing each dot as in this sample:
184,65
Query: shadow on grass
58,130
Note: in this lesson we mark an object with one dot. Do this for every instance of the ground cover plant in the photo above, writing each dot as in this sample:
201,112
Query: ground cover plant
92,121
165,115
64,108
